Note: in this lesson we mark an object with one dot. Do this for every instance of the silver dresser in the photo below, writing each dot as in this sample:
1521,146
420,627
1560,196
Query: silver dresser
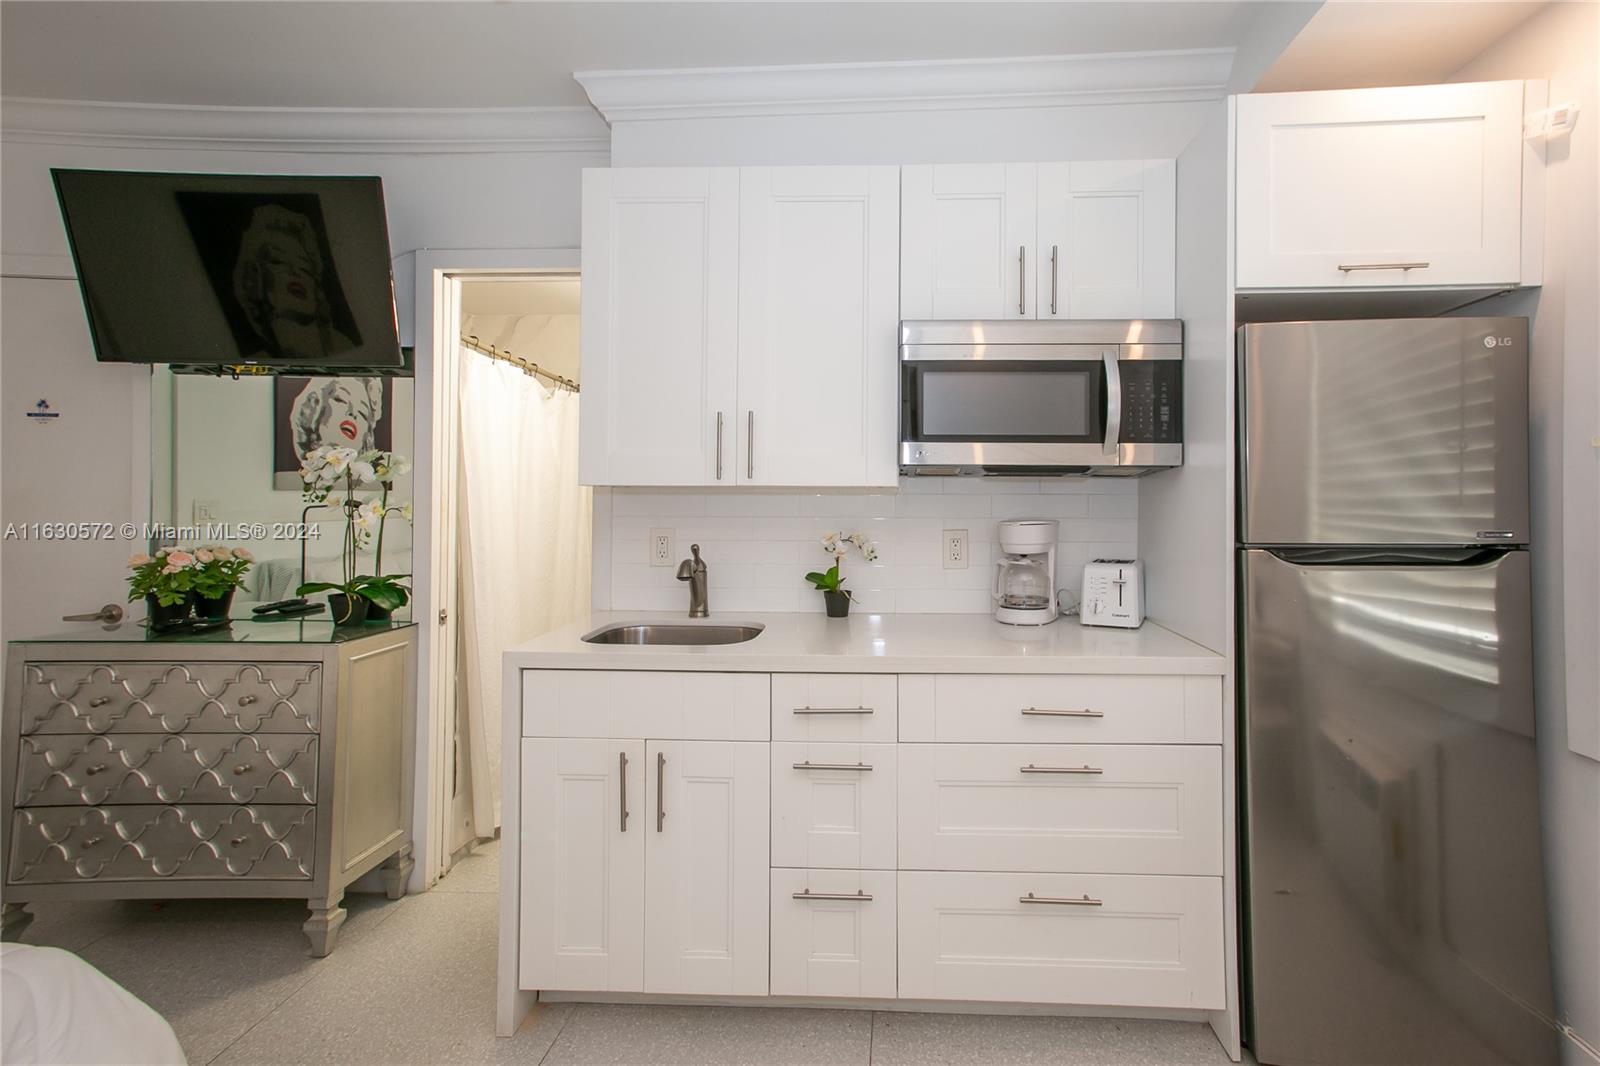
271,759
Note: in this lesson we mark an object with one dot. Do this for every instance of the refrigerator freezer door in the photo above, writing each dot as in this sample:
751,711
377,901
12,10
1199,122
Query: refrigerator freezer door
1403,431
1395,891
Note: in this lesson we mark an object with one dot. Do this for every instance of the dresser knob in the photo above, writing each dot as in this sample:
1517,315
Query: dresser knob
243,768
237,842
97,768
100,701
245,701
91,842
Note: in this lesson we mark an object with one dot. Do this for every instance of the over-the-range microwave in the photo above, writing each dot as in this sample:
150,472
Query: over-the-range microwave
1091,396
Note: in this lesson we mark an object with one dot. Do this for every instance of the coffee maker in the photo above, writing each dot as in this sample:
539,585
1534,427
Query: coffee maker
1025,573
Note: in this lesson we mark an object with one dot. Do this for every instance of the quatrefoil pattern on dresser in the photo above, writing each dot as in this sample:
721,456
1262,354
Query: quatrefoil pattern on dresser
66,769
171,697
67,844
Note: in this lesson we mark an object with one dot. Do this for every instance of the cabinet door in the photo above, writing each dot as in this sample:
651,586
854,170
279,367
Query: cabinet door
706,902
583,851
819,251
1106,239
659,325
967,241
833,933
1339,188
833,805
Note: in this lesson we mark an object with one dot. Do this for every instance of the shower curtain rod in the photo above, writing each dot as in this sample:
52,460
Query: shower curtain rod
527,366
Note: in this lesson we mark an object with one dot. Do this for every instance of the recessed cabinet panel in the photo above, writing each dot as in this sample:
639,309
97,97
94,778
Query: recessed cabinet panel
833,805
1060,708
833,933
967,241
1106,239
853,708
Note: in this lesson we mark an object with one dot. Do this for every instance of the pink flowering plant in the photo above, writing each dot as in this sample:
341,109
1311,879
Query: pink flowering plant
219,570
172,573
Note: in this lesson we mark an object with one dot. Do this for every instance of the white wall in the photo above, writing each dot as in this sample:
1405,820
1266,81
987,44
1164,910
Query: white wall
1561,43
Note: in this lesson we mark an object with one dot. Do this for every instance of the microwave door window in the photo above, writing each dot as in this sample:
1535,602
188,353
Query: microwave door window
1034,405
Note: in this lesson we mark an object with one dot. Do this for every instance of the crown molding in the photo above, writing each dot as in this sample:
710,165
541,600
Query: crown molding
859,88
323,129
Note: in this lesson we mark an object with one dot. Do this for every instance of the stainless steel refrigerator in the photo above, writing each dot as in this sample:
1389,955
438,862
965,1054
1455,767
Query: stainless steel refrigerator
1393,887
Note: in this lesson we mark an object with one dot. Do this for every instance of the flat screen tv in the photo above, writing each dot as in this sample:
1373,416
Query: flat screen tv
276,273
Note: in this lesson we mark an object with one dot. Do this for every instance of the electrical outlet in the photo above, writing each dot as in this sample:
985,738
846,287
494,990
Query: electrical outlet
955,549
205,511
662,552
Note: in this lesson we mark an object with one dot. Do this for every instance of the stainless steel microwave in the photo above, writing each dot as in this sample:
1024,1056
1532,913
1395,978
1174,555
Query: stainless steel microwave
1091,396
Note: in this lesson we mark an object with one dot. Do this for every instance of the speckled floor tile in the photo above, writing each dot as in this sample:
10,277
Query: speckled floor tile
74,926
990,1040
640,1035
478,872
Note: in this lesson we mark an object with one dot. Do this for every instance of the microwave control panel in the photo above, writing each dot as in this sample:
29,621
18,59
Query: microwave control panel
1152,401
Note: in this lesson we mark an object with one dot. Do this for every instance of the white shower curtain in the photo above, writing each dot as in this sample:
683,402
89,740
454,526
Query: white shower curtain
524,534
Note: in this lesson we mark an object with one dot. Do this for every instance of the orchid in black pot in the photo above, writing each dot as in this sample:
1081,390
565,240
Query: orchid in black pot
327,470
835,597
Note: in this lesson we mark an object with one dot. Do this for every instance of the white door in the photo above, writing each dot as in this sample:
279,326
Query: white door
1107,239
1345,188
659,325
76,444
705,876
819,251
967,241
583,879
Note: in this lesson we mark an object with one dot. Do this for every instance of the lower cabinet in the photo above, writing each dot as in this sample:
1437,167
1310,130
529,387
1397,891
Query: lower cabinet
644,866
833,933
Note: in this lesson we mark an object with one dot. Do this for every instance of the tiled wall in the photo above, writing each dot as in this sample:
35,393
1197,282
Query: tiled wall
758,545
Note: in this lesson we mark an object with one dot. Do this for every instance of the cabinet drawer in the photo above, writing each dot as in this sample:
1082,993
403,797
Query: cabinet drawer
1081,709
833,817
855,708
823,945
1133,942
89,697
638,703
56,845
70,769
1112,808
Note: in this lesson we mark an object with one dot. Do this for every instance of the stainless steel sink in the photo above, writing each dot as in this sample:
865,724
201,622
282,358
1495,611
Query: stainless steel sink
667,633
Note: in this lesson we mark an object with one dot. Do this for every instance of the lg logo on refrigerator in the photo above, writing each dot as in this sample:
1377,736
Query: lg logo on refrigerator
1492,341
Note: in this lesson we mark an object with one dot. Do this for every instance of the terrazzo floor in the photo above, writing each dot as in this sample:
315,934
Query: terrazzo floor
234,979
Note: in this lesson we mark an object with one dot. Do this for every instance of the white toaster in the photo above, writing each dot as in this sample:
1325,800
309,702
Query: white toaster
1113,593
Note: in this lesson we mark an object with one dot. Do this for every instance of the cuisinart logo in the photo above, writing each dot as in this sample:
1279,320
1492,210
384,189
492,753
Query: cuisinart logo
1492,341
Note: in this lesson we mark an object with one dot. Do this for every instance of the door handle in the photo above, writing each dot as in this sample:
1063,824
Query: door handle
1085,769
860,766
1054,252
852,897
1348,267
1066,901
110,614
750,445
719,445
1113,402
1052,713
661,776
833,710
622,778
1022,279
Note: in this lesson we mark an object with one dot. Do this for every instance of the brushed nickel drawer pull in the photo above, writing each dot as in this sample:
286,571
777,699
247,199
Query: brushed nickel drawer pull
719,445
97,768
1065,901
661,777
1054,251
1022,279
1348,267
243,768
245,701
100,701
622,778
1085,769
1050,712
849,897
861,766
833,710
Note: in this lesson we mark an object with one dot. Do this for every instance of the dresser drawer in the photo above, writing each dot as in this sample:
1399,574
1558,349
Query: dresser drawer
166,697
72,769
64,845
1124,941
1109,808
855,708
842,817
1075,709
833,933
645,704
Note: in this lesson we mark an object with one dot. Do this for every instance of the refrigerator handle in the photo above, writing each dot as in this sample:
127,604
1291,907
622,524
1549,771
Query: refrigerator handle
1113,402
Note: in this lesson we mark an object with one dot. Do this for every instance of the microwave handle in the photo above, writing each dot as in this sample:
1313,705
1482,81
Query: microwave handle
1113,402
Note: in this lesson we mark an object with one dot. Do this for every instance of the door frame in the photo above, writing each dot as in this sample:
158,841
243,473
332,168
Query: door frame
436,442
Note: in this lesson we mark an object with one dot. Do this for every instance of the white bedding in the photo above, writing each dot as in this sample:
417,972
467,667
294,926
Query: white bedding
56,1008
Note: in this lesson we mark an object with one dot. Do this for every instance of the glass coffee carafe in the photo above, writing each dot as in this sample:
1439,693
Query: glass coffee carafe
1023,582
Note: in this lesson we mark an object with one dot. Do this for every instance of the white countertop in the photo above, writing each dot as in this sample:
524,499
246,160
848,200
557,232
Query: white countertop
878,643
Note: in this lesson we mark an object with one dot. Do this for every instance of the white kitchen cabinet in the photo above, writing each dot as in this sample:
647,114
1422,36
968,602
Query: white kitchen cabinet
583,864
660,325
833,805
819,251
1038,240
833,933
1060,708
1357,188
848,708
705,877
681,705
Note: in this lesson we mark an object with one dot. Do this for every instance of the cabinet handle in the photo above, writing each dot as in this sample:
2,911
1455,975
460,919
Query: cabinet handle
237,842
245,701
243,768
622,778
1054,251
719,445
1065,901
100,701
91,842
1113,402
750,445
1085,769
661,776
1348,267
861,766
851,897
97,768
1049,712
1022,279
833,710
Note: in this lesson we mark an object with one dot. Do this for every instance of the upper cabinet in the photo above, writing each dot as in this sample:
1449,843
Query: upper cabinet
1038,240
1363,188
739,326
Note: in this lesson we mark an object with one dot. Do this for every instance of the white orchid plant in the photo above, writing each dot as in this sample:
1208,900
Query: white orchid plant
328,469
834,544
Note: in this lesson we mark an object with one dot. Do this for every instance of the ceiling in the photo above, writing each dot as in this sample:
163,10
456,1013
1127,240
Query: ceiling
474,54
